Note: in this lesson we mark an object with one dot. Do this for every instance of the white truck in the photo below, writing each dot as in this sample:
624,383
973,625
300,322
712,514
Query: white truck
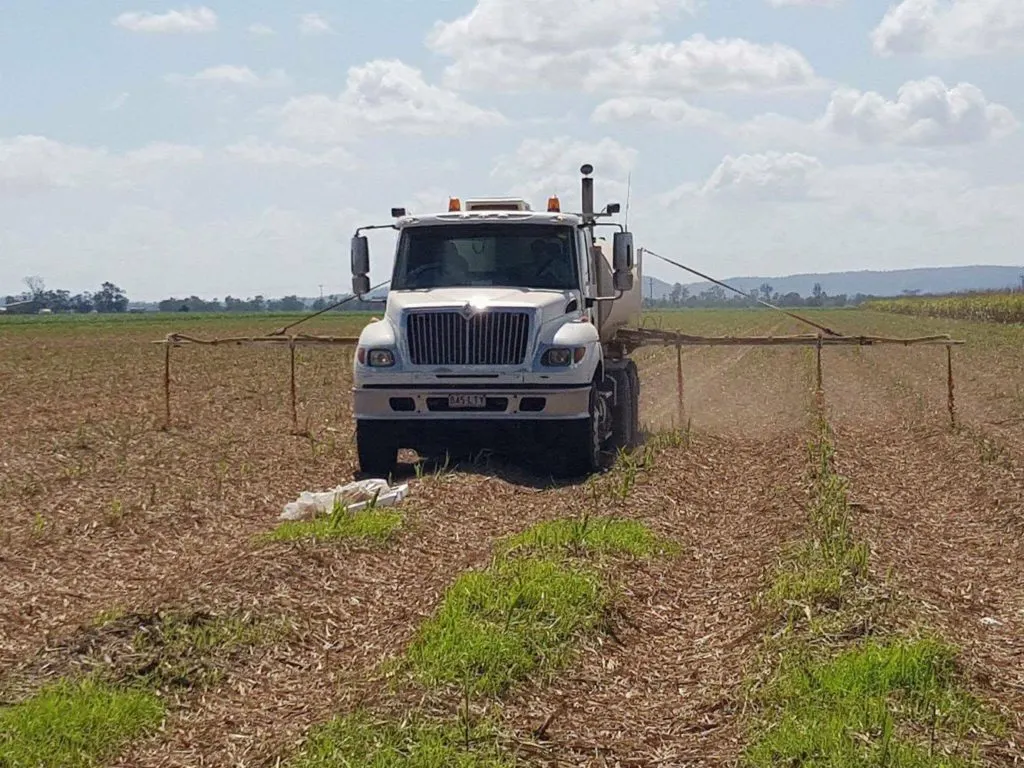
500,332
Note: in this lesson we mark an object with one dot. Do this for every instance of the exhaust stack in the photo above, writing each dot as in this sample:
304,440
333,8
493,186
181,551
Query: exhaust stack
588,192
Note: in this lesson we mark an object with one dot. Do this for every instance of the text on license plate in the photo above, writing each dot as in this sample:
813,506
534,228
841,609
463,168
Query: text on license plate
467,401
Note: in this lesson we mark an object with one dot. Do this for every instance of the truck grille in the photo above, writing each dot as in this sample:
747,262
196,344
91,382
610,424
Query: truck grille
485,338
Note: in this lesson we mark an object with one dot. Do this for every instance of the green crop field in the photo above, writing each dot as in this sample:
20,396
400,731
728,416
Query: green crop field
985,307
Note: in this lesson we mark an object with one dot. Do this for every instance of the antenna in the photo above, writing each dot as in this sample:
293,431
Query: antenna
629,186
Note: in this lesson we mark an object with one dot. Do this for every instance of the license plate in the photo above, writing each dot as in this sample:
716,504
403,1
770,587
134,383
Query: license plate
467,401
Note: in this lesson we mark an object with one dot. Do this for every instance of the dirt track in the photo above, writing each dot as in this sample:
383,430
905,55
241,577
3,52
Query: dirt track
140,519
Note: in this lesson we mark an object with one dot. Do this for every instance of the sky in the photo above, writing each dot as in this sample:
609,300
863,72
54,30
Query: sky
233,148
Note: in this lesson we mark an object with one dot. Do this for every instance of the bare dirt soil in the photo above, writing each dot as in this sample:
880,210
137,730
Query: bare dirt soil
104,511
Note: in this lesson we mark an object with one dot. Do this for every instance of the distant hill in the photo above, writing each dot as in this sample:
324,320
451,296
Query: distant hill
874,283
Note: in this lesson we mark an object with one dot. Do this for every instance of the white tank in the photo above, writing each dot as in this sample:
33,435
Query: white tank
614,315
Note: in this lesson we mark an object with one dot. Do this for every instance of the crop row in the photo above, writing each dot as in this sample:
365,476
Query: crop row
983,307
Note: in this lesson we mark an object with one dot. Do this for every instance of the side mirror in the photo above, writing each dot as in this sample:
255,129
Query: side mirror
622,252
360,256
360,285
622,261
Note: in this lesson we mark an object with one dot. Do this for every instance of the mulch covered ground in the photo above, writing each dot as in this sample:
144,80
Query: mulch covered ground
105,511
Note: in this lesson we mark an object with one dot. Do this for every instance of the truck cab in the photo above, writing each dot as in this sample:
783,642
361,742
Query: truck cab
499,330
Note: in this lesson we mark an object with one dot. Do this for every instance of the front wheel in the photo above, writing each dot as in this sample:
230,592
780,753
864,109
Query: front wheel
582,441
377,450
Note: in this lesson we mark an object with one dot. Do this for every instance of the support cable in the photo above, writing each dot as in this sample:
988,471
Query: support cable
710,279
285,329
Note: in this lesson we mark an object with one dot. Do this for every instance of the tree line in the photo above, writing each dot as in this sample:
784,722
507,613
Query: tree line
262,304
716,296
109,298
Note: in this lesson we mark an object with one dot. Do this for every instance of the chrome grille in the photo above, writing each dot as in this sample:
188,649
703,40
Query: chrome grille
484,338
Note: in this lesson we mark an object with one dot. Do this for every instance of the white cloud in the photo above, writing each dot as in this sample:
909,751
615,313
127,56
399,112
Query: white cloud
783,213
553,25
229,74
772,176
543,167
163,153
647,109
529,45
261,30
925,113
818,3
252,150
382,95
701,64
35,163
951,28
119,101
187,20
314,24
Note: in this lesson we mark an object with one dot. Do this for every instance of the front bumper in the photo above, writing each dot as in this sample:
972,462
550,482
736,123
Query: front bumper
474,402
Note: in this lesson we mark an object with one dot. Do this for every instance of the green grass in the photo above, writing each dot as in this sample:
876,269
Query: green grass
830,561
368,524
202,635
359,740
891,703
68,725
587,535
199,323
496,627
191,650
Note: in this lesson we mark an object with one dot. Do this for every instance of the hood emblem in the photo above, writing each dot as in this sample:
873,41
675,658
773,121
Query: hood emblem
467,311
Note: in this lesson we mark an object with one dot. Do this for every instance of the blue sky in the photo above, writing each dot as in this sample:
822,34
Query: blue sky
232,147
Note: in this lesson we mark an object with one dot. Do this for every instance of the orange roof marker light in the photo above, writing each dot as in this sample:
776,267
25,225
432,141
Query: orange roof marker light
554,206
454,204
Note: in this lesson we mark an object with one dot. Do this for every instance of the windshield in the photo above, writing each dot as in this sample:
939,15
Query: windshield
486,254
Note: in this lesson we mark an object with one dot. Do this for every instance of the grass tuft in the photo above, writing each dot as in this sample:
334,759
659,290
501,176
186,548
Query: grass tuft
72,724
359,740
889,703
368,524
586,535
826,566
202,634
498,626
190,649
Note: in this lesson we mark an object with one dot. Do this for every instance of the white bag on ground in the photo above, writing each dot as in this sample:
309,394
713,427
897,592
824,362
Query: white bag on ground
352,498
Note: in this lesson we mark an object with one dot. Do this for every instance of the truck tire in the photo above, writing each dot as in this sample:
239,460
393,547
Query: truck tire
377,450
634,377
624,436
582,442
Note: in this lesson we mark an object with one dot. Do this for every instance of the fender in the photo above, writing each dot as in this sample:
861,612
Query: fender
571,333
379,333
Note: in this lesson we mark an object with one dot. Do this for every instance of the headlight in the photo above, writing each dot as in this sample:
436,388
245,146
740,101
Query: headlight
561,357
380,358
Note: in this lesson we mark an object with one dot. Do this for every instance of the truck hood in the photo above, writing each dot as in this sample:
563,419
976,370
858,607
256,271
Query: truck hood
550,303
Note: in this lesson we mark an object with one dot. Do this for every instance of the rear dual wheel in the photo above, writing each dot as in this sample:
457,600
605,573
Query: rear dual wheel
626,411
